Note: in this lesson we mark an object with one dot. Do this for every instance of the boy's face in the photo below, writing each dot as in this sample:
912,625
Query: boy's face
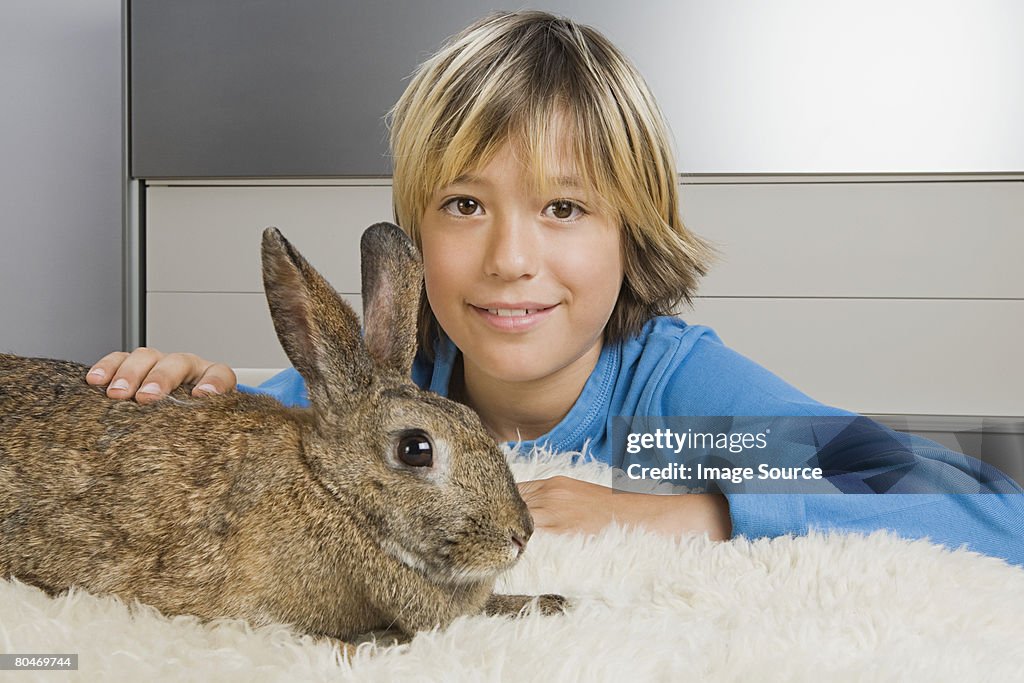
522,283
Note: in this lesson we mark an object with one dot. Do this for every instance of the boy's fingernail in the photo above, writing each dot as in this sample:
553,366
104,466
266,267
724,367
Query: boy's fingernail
97,373
207,389
151,388
121,384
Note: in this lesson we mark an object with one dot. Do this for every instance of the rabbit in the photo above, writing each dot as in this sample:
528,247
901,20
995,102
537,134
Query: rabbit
382,506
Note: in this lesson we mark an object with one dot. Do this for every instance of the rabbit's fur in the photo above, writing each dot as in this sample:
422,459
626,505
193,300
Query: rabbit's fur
235,506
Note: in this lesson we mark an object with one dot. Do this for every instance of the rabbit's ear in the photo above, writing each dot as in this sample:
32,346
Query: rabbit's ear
318,330
392,283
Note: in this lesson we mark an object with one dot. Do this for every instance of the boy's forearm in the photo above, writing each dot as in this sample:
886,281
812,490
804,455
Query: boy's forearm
677,514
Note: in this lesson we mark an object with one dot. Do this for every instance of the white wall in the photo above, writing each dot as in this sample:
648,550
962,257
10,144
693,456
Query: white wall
831,86
60,178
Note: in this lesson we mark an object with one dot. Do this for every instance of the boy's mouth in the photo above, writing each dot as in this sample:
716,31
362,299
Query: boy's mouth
513,309
514,316
512,312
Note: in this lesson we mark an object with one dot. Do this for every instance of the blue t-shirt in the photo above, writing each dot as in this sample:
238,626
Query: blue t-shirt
675,369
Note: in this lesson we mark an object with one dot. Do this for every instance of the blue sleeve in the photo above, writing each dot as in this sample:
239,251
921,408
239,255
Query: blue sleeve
989,523
287,386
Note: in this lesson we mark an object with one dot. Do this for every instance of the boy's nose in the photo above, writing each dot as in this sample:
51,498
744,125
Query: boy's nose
513,249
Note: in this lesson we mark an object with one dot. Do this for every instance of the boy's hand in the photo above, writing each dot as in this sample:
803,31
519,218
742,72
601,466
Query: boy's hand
567,505
148,375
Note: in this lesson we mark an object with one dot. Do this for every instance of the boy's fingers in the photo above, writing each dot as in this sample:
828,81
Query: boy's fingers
127,378
169,373
176,369
103,369
217,378
148,374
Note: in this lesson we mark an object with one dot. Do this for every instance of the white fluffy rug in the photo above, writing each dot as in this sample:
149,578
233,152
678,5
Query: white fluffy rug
816,608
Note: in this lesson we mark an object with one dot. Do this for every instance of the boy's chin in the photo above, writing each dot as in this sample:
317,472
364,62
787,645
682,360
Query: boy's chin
513,374
521,365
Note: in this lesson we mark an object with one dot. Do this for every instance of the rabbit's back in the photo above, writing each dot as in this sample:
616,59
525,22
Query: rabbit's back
145,501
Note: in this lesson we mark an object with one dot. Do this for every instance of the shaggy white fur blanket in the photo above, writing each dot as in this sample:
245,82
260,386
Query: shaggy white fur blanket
814,608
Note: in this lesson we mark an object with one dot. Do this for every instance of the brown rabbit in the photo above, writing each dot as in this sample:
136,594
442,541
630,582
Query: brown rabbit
381,506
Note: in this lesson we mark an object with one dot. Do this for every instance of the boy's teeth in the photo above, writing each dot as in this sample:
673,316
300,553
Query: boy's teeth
510,312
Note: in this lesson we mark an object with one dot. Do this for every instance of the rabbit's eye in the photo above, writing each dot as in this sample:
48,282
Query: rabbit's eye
415,450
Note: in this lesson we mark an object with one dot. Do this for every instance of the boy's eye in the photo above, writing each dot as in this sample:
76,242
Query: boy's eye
462,206
564,209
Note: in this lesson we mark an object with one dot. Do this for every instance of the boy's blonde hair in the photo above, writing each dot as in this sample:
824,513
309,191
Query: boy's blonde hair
512,77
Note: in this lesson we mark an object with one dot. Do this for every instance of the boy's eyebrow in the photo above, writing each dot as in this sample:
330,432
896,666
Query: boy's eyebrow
568,181
571,181
468,179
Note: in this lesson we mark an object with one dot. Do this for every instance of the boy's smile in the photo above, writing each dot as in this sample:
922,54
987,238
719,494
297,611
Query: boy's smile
523,283
514,317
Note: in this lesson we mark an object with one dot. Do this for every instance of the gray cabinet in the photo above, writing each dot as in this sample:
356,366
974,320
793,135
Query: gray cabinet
204,290
880,297
287,88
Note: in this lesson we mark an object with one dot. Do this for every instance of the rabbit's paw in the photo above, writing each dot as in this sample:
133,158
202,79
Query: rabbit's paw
513,605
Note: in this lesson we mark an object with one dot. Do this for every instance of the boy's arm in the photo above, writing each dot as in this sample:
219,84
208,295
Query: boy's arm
287,386
930,488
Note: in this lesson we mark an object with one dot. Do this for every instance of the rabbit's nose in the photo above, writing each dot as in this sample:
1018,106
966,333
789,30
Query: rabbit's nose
519,542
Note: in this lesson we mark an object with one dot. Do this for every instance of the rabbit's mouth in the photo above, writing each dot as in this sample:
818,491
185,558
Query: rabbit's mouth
445,572
405,556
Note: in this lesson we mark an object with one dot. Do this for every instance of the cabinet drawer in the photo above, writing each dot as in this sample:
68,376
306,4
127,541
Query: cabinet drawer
883,355
899,298
866,239
232,328
207,239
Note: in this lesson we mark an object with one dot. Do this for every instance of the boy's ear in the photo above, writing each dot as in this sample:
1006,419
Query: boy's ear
318,330
392,275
